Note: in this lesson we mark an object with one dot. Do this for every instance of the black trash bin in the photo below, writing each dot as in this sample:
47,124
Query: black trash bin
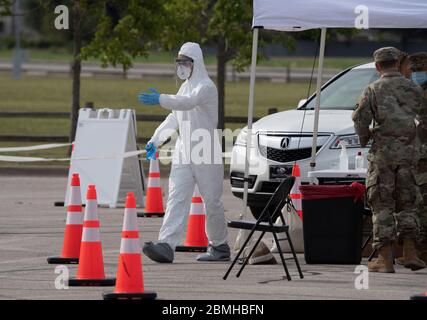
332,223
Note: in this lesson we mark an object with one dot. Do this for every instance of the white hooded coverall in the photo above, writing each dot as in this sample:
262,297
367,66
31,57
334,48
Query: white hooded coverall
194,110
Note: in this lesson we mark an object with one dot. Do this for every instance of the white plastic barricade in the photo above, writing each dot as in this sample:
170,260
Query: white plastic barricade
103,137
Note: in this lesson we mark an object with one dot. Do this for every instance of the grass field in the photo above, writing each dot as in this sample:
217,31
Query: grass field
169,57
54,94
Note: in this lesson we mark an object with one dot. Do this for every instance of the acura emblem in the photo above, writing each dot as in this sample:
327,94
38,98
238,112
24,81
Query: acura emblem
284,144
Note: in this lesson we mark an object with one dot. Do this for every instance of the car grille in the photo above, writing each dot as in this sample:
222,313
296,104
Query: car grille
269,186
280,155
237,180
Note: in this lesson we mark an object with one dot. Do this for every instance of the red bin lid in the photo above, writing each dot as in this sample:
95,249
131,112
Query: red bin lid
313,192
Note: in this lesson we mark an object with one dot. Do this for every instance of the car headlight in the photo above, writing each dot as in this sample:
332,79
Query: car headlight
352,141
241,139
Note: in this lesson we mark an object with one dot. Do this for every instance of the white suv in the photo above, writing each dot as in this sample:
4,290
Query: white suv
281,139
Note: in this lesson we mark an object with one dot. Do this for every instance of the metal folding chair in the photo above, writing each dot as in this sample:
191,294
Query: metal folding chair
265,223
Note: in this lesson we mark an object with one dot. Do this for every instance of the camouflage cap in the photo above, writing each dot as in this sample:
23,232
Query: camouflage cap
387,54
418,60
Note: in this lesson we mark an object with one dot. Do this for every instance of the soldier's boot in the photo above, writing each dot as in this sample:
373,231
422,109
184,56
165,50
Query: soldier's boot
423,252
384,262
411,257
400,261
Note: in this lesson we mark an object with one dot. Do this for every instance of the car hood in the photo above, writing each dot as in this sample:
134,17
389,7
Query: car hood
330,121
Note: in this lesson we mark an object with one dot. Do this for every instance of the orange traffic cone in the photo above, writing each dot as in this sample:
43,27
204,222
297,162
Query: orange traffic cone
295,194
91,265
130,283
73,228
196,239
154,198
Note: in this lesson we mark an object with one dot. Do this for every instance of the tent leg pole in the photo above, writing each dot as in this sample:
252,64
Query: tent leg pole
241,236
250,117
318,94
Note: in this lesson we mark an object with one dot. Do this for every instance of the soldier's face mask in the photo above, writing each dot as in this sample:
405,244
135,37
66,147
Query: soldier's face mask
419,77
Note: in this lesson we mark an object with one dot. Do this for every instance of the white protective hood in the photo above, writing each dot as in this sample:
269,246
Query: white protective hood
194,109
200,74
297,15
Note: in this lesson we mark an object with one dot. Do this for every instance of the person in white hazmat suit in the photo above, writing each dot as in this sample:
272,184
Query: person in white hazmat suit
197,158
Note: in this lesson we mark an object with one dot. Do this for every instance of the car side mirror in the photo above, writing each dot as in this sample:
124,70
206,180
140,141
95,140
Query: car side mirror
301,102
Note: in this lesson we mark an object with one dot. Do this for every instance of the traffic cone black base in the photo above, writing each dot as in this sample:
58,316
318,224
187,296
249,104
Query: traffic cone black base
190,249
150,215
107,282
130,296
59,260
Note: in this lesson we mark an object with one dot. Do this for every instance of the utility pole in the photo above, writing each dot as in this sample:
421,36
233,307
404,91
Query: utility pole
17,53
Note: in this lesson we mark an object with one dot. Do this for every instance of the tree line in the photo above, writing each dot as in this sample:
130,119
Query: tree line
117,31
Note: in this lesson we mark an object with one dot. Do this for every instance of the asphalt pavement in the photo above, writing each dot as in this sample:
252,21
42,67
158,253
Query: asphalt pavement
31,229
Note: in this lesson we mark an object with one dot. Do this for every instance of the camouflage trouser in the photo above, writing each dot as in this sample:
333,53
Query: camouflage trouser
395,201
421,178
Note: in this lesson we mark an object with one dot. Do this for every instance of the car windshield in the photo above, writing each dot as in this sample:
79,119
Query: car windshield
344,92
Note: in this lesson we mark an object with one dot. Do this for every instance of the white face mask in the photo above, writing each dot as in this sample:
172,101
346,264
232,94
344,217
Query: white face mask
183,72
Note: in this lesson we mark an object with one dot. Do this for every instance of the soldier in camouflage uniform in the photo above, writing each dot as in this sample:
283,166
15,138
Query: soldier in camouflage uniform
392,104
418,64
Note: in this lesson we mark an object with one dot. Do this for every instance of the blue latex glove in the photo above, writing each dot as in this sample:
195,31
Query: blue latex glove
151,151
152,98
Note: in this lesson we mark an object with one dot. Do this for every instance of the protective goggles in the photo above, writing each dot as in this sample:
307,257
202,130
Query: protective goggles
184,62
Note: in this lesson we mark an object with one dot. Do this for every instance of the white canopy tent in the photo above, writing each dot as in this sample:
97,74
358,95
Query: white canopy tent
297,15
